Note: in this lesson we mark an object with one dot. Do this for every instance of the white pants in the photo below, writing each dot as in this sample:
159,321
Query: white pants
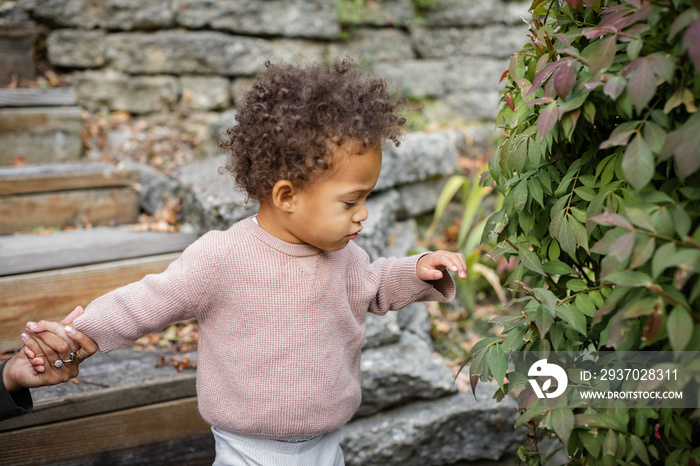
237,450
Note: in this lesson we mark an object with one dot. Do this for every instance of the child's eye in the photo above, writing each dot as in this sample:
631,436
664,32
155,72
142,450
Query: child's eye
351,204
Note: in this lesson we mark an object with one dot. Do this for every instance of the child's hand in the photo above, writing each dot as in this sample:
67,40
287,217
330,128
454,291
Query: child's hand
432,265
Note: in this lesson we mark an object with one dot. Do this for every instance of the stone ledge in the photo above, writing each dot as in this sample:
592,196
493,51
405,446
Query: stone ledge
444,431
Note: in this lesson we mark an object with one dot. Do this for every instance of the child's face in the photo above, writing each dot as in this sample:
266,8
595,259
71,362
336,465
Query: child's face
330,208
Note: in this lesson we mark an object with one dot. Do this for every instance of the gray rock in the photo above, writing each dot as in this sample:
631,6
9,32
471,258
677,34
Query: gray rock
497,41
475,73
476,105
444,431
384,13
421,156
297,50
396,374
111,14
133,94
215,133
375,230
187,53
211,200
402,239
300,18
205,92
374,46
76,48
381,330
239,88
156,187
465,13
416,78
480,138
419,198
414,320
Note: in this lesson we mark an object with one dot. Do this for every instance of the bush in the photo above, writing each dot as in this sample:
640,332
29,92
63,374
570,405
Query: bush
598,164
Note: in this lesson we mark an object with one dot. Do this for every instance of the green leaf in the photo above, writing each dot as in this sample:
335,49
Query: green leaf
563,231
514,339
574,318
610,443
547,119
639,448
556,267
679,326
620,136
530,260
547,298
622,247
543,319
601,53
627,278
498,364
641,83
638,163
563,423
643,250
584,303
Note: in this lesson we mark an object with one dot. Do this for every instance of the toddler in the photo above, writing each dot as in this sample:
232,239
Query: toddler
281,297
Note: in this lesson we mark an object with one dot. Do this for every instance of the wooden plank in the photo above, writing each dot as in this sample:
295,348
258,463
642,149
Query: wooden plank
17,52
35,97
30,179
97,436
108,206
53,294
41,134
122,379
33,253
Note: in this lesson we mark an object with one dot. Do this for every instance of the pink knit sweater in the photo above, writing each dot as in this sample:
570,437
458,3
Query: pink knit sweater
281,325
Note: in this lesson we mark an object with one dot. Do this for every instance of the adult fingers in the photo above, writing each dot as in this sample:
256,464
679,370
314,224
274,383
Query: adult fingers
88,347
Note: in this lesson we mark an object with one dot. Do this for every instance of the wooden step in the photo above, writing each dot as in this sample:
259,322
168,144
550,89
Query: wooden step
52,294
123,404
32,179
40,134
96,437
62,249
36,97
122,379
106,206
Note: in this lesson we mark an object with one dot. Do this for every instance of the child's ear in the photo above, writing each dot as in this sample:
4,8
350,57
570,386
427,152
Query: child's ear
283,193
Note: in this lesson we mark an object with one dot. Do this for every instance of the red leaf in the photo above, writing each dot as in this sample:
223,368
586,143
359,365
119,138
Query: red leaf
509,102
547,119
613,19
595,4
503,76
691,39
593,33
575,4
610,219
615,86
543,75
565,78
657,434
474,379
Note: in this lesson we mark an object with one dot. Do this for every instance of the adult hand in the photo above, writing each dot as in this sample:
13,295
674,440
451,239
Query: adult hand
54,342
20,373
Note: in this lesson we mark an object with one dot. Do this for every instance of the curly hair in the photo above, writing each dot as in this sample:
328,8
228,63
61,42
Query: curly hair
294,114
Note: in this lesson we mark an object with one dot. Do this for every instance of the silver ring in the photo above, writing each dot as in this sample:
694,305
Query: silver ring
59,362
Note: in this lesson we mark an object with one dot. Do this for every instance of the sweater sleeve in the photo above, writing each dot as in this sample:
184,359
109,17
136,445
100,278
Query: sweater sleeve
397,285
122,316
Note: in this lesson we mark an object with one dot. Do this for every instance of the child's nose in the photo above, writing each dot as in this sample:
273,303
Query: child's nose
362,214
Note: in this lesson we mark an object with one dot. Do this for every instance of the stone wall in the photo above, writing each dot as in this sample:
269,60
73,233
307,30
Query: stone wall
162,55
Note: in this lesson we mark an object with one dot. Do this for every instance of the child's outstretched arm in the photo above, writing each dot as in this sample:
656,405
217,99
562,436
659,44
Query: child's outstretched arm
431,266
